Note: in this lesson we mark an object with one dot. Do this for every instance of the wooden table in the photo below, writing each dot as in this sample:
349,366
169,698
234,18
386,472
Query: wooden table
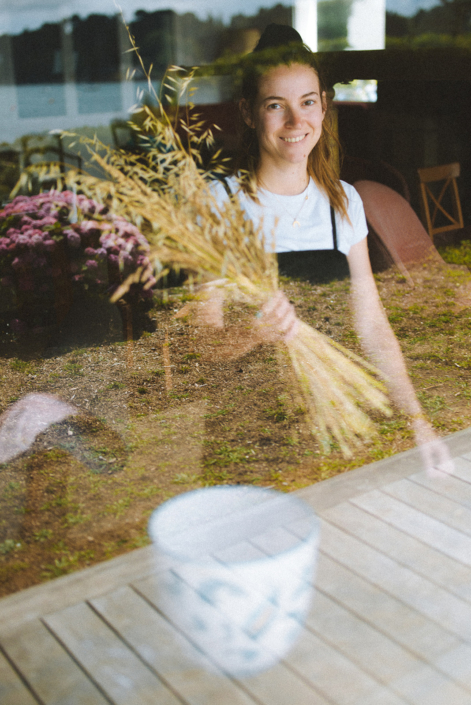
390,622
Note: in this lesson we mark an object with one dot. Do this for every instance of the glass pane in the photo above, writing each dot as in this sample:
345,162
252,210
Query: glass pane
155,416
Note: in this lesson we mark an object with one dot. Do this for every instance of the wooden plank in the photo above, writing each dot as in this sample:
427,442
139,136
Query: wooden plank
112,665
69,589
156,642
340,680
439,173
432,601
342,487
381,522
459,443
382,611
415,523
441,508
280,685
466,455
426,685
266,685
12,689
383,696
361,643
48,668
463,469
449,486
457,664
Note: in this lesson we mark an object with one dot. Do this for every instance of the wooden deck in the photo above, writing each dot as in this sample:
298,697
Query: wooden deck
390,622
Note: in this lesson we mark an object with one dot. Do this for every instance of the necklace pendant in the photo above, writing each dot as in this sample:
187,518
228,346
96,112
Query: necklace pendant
296,222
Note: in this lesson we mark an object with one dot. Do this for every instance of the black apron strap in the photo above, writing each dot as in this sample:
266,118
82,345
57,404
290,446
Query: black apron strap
334,227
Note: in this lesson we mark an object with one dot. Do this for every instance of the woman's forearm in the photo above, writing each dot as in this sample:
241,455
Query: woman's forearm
381,346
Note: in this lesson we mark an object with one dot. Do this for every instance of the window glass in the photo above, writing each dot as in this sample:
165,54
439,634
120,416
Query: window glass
110,410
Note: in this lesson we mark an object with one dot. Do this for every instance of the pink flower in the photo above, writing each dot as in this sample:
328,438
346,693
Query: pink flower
127,260
34,216
73,238
43,222
87,226
37,240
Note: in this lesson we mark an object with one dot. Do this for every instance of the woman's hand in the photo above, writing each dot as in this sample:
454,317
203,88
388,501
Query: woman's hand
208,309
435,454
277,320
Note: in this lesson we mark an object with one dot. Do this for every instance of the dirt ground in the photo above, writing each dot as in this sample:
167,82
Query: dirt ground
169,412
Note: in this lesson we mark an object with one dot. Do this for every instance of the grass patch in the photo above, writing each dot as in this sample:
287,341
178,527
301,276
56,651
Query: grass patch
22,366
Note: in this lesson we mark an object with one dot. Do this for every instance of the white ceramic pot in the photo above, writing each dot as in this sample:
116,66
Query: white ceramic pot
241,583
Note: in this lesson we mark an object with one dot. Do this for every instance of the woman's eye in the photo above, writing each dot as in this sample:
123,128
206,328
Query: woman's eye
310,101
274,106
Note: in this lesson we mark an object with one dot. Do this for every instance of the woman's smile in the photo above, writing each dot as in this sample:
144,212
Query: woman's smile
293,140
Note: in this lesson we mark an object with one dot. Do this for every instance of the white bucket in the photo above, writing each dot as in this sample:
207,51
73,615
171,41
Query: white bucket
243,560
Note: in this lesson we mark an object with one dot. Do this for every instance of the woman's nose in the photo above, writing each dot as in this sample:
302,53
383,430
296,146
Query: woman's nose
293,117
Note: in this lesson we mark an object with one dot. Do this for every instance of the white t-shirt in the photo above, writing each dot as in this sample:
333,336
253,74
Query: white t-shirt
314,231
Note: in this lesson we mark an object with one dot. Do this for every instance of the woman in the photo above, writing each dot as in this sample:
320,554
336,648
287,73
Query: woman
317,222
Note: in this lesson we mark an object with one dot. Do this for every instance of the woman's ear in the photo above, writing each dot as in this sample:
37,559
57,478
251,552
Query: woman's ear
246,113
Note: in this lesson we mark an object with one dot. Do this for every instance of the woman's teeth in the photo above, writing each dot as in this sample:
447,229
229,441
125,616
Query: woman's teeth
293,139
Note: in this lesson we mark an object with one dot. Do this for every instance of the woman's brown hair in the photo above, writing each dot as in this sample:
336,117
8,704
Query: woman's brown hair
322,163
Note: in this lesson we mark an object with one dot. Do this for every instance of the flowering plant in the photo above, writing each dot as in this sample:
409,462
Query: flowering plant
55,235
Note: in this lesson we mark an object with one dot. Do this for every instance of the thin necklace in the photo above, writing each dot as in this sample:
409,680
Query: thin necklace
295,220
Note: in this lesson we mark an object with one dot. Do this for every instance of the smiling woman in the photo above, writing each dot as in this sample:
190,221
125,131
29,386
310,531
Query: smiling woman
287,184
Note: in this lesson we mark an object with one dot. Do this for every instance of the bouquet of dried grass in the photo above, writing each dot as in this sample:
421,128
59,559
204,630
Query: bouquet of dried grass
166,192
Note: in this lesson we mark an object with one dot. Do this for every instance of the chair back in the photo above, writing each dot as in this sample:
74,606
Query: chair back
441,205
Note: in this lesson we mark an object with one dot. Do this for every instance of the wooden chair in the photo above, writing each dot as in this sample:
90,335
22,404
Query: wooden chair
444,201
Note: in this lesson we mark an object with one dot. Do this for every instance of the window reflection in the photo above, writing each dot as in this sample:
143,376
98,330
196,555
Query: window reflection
63,70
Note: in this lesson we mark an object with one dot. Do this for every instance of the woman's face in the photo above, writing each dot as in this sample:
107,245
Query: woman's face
287,115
